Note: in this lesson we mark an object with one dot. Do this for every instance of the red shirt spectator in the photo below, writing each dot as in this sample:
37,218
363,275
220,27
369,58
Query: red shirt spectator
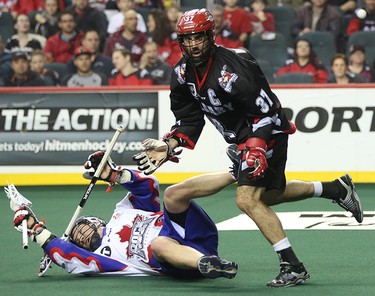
363,24
305,62
27,6
132,79
169,51
162,33
60,47
260,20
238,21
126,73
224,36
319,75
59,50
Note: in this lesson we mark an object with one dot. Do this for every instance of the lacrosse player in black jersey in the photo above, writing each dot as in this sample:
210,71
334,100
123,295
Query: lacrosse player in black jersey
228,87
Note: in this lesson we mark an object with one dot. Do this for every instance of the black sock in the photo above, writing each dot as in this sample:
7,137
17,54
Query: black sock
179,218
333,190
288,255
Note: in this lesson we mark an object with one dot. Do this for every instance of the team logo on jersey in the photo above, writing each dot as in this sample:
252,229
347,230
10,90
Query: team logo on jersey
135,236
181,73
226,80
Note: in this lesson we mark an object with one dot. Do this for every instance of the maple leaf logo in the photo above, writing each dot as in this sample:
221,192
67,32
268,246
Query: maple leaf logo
124,233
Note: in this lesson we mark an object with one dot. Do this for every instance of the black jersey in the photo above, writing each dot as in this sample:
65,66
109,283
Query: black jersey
234,95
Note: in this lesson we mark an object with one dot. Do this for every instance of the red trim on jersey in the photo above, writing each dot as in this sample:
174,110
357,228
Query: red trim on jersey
200,83
191,144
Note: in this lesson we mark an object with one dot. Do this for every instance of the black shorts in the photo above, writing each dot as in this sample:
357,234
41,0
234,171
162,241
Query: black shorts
274,178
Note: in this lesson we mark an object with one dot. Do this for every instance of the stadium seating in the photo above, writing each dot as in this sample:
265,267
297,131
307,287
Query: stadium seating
293,78
284,18
60,68
6,26
267,69
273,50
323,43
367,39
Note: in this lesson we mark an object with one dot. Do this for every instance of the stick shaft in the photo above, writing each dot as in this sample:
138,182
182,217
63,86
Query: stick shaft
25,242
93,181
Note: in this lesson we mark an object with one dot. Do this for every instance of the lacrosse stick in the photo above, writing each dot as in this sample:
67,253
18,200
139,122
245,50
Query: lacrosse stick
16,201
46,261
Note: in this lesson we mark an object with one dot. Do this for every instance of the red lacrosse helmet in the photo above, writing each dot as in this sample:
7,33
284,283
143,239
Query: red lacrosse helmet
193,22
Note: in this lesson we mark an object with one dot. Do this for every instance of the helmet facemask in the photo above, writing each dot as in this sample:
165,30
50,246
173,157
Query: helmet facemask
196,48
85,233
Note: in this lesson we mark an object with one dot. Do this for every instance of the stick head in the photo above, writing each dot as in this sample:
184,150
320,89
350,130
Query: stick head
16,198
120,128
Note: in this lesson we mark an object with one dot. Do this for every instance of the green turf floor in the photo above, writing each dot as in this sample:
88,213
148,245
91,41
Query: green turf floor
340,262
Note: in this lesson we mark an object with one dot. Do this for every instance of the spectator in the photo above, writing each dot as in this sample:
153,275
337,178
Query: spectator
88,18
159,71
117,20
84,75
100,63
174,14
346,7
29,6
37,64
23,40
22,75
340,71
319,16
261,21
26,6
60,47
224,36
237,20
45,22
305,61
357,62
128,37
5,61
6,5
126,73
150,4
165,37
363,24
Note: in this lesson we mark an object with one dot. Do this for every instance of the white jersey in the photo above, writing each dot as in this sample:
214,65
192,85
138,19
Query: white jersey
126,243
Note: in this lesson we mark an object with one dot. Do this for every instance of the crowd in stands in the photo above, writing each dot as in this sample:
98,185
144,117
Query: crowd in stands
78,43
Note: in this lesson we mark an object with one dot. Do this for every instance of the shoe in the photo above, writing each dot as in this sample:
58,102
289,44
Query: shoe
235,156
213,267
290,275
351,202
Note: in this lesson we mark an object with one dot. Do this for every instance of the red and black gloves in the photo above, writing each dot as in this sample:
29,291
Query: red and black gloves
255,155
